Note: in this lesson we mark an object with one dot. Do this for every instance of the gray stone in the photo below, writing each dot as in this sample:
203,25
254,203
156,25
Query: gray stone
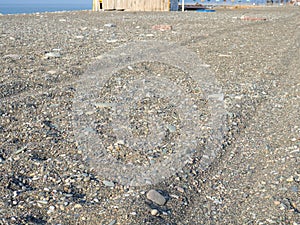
12,56
112,41
110,25
156,197
52,55
171,128
108,183
112,222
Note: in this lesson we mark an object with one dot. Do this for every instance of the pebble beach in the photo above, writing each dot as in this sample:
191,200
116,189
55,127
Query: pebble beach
45,177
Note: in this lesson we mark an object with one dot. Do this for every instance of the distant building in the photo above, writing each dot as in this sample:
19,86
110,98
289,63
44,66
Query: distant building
295,2
236,2
173,5
136,5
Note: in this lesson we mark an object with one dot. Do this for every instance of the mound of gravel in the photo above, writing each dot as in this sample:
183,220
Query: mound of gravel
46,174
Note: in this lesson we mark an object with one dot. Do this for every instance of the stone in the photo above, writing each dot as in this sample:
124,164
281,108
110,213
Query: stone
149,35
52,55
12,56
77,206
276,202
52,72
86,179
295,189
156,197
112,41
154,212
171,128
44,202
112,222
108,183
290,179
180,189
110,25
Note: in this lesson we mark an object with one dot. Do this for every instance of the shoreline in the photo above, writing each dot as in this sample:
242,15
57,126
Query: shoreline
46,12
220,7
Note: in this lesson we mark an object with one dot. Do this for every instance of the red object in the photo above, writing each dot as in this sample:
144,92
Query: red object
253,18
162,27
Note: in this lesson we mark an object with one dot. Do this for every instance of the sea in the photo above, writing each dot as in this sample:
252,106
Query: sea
7,8
21,8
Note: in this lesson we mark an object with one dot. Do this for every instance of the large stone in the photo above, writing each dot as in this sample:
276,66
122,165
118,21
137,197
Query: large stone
156,197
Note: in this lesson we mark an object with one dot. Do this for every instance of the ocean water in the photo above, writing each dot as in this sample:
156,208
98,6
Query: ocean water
7,8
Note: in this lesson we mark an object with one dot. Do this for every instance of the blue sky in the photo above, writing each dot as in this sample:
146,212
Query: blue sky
52,1
47,2
71,2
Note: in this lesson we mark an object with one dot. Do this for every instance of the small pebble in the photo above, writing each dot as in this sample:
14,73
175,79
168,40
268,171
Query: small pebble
12,56
77,206
110,25
86,179
294,189
149,35
276,202
52,55
108,183
44,202
154,212
112,222
180,189
111,41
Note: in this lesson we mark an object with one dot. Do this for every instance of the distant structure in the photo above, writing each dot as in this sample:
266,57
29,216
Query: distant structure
295,2
97,5
135,5
174,5
241,2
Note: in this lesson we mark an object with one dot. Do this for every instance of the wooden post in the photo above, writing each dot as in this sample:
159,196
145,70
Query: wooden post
167,6
96,5
182,5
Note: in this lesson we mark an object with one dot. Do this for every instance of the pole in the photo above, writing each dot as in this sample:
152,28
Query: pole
96,5
182,5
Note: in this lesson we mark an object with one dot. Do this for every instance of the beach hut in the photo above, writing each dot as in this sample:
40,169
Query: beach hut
136,5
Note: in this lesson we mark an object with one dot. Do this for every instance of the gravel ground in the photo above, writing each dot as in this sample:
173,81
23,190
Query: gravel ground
255,178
